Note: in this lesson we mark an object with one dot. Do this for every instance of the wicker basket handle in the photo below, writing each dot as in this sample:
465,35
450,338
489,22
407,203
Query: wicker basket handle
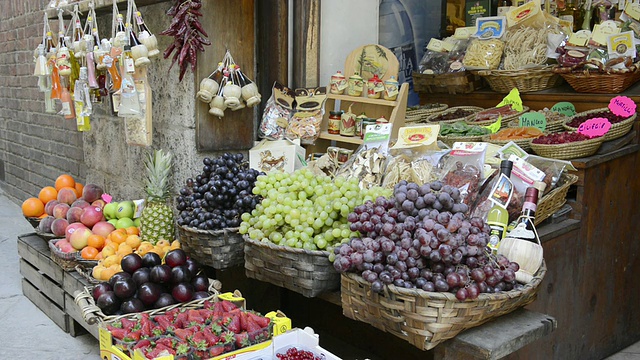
88,310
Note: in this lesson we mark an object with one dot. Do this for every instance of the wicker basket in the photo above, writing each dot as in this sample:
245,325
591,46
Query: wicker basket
524,144
67,261
34,221
600,80
449,140
503,123
552,126
462,82
219,249
526,80
553,201
46,236
425,319
567,151
475,109
617,130
306,272
421,113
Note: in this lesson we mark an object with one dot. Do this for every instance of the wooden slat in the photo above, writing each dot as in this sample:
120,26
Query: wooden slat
41,282
73,282
36,251
72,309
50,309
306,46
230,25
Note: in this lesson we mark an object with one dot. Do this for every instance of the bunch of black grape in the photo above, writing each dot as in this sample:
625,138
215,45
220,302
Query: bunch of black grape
421,238
217,197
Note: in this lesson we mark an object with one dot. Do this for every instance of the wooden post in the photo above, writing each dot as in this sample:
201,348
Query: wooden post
306,43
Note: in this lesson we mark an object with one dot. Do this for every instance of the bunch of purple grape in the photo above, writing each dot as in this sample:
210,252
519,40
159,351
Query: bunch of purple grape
421,238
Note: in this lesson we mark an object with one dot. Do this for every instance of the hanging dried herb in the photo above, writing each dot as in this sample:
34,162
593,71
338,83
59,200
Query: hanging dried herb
189,36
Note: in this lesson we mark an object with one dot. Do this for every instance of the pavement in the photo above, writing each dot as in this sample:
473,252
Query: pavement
26,332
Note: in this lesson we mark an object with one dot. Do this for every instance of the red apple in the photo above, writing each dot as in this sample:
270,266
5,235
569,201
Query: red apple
91,215
72,228
99,203
79,238
103,228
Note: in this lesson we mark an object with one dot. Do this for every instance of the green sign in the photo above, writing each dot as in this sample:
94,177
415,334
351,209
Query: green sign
564,108
533,119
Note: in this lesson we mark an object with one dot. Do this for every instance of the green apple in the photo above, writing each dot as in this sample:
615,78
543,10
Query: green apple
110,210
124,223
136,222
113,222
125,209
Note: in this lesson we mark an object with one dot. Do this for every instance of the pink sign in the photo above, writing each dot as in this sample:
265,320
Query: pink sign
595,127
622,106
107,198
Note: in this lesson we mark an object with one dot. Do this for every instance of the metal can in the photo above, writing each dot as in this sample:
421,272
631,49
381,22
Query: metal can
334,122
344,155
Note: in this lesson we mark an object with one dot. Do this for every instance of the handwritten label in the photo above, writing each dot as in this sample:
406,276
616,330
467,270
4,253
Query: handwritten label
512,98
495,126
595,127
622,106
533,119
564,108
107,198
463,33
436,45
603,30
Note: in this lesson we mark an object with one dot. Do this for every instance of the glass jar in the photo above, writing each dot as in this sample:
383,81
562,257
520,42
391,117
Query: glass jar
334,122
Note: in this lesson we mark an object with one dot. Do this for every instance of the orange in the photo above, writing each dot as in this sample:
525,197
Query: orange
32,207
47,194
107,273
108,251
110,260
119,236
124,249
162,243
89,253
99,256
44,215
133,241
96,241
79,188
132,230
65,180
144,248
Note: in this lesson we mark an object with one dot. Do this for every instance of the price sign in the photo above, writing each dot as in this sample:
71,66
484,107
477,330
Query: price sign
595,127
564,108
495,126
622,106
512,98
533,119
107,198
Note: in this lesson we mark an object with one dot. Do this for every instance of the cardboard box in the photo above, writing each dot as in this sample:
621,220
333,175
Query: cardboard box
286,155
302,339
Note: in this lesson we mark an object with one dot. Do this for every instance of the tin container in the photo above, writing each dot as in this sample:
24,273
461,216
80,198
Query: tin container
391,87
338,83
355,85
335,119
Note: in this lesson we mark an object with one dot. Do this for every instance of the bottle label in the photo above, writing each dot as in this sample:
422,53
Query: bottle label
66,108
129,65
521,232
496,235
502,191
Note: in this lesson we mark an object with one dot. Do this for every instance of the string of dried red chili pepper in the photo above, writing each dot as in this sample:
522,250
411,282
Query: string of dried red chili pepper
189,36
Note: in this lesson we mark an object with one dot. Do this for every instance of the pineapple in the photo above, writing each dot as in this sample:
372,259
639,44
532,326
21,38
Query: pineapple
156,222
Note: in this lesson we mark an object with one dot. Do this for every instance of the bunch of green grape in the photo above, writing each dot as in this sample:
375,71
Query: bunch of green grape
305,210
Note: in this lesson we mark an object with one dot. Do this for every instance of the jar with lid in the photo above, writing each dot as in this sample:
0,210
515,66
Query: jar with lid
359,120
375,87
338,83
391,87
335,117
382,120
365,123
348,124
355,85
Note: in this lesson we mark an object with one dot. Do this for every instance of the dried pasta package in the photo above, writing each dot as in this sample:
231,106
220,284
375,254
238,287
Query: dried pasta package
277,113
305,123
368,163
483,54
462,168
527,46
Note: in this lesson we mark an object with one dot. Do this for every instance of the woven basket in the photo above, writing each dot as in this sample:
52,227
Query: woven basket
475,109
462,82
449,140
567,151
503,123
617,130
46,236
599,81
526,80
552,126
553,201
306,272
421,113
219,249
425,319
34,221
67,261
92,314
524,144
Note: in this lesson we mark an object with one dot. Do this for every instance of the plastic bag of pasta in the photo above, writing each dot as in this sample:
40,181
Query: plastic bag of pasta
483,54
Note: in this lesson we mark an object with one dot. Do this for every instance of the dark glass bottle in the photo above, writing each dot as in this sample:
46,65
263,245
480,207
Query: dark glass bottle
525,228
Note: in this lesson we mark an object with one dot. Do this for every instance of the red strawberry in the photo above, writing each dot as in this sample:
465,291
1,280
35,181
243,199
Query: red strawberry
117,333
183,333
172,313
128,324
157,331
132,336
198,337
228,305
216,350
165,341
145,328
242,340
218,309
252,326
182,348
262,321
194,316
211,338
162,347
208,304
143,344
234,325
181,320
164,322
206,313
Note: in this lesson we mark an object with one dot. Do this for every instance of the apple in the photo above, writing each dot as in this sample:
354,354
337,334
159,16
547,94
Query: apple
91,215
109,210
71,228
103,228
124,223
99,203
113,222
125,209
136,222
65,246
79,238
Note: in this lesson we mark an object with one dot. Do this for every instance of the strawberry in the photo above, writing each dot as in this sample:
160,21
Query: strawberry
132,336
228,305
165,341
234,325
145,343
172,313
211,338
117,333
242,339
198,338
216,350
208,304
262,321
252,326
145,327
194,316
182,348
215,327
162,347
165,322
243,320
218,309
181,320
183,333
157,331
128,324
206,314
227,337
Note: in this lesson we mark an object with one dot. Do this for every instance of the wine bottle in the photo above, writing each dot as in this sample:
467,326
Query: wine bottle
498,216
525,228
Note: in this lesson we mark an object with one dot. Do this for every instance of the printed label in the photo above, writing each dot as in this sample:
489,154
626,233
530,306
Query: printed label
580,38
490,27
603,30
436,45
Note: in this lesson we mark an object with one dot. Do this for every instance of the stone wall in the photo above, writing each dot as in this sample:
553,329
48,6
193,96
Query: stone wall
36,147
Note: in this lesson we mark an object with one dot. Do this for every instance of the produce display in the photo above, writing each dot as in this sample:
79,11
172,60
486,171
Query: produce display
294,353
421,238
494,113
216,328
156,222
217,197
560,138
304,210
516,133
453,114
461,128
151,282
576,121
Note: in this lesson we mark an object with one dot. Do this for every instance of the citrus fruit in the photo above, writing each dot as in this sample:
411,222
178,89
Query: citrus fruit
65,180
119,236
89,253
124,249
108,251
144,248
162,243
133,230
133,241
175,244
47,194
32,207
107,273
79,187
97,272
96,241
110,260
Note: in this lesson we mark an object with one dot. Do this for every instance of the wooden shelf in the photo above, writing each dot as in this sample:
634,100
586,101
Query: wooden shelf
362,100
101,7
347,139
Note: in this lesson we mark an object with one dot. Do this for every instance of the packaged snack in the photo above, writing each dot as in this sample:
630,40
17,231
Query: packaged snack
483,54
305,123
277,113
462,168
